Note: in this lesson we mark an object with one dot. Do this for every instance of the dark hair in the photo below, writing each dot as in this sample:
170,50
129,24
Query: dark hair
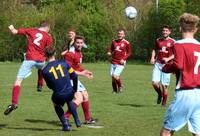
166,26
44,23
188,22
49,52
79,37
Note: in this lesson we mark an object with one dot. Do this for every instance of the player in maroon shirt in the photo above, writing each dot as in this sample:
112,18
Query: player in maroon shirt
74,59
185,108
161,80
119,51
38,40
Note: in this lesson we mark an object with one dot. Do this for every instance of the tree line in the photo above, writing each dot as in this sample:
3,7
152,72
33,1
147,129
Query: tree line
97,20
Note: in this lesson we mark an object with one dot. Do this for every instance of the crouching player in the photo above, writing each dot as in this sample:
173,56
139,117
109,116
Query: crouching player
57,75
74,59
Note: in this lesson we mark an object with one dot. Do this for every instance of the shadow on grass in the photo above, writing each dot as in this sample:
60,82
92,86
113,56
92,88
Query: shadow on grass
55,123
33,129
3,126
135,105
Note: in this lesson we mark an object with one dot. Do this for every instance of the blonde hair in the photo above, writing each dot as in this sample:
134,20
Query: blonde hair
188,22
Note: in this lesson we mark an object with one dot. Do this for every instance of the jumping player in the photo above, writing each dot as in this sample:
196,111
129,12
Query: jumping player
38,39
57,75
74,59
185,108
161,80
120,50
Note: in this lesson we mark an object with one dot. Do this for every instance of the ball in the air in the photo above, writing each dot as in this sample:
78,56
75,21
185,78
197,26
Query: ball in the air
130,12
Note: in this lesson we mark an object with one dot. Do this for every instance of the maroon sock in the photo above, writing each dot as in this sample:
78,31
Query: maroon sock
86,107
114,85
15,94
164,100
68,113
40,78
119,83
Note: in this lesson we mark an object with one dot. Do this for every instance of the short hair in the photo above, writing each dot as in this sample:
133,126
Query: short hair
44,23
166,26
79,37
49,52
188,22
121,29
72,30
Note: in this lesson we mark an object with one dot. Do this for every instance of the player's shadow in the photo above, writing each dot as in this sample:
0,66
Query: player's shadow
32,129
3,126
55,123
135,105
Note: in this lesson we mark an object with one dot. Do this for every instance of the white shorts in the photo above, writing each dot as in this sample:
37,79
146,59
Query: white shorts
159,76
116,69
80,87
184,109
26,67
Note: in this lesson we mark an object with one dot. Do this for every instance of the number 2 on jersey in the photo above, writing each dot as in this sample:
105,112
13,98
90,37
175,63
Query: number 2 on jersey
55,70
38,36
196,67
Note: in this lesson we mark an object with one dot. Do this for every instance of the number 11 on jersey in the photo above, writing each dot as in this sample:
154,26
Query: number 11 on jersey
55,70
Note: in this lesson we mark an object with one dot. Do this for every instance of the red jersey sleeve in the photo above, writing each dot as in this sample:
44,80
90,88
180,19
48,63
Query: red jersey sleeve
177,63
111,48
22,31
128,52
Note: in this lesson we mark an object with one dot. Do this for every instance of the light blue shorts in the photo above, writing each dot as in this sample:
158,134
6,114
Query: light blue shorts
116,70
80,87
159,76
184,109
26,67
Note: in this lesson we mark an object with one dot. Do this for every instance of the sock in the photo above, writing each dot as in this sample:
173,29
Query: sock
15,94
86,107
119,83
68,113
114,85
60,114
164,100
40,78
72,108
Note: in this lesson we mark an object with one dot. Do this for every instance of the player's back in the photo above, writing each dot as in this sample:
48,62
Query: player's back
37,41
190,57
57,76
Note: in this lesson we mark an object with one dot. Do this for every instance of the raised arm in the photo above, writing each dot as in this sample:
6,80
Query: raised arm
12,29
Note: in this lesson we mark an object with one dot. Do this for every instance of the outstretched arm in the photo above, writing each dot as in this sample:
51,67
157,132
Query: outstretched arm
85,73
12,29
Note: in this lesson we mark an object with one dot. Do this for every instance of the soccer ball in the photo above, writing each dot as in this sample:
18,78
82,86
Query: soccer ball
130,12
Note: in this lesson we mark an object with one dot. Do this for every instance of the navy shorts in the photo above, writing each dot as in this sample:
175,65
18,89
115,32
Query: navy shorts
62,98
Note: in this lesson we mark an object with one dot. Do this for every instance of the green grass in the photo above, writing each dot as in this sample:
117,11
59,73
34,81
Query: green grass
131,113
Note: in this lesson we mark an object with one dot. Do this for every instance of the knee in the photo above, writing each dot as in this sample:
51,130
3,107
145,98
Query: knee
78,98
18,82
165,132
85,96
78,101
116,77
155,84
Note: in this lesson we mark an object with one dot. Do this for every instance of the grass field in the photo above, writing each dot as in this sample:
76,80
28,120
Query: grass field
131,113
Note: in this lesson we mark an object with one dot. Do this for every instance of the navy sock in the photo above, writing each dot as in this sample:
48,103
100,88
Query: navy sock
60,114
72,108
